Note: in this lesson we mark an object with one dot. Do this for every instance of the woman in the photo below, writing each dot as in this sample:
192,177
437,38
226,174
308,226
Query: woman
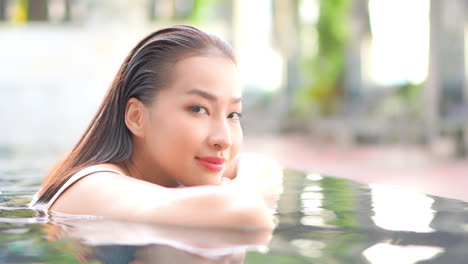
170,119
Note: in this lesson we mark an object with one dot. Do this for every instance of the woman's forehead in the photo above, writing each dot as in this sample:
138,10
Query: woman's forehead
209,75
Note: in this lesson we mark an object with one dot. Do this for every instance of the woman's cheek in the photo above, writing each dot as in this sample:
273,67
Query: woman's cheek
237,138
190,132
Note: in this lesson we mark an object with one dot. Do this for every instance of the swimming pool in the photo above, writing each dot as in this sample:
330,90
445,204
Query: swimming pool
321,220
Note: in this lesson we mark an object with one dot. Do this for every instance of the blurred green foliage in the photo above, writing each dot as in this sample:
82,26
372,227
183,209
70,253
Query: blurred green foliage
404,101
323,72
339,198
203,10
412,95
259,258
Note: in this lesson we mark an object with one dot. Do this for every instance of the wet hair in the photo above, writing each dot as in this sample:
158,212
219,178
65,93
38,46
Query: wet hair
144,71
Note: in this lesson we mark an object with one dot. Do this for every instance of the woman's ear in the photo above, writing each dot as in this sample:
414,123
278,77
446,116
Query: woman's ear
135,113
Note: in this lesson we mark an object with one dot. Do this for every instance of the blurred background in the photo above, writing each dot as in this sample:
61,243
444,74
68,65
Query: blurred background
370,90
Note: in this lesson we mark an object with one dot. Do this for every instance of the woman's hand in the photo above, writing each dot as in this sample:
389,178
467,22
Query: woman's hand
258,174
226,181
231,170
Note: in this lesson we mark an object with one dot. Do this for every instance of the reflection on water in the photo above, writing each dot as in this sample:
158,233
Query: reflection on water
321,220
401,210
385,253
329,220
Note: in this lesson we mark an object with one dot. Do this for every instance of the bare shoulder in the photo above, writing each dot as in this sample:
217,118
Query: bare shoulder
100,191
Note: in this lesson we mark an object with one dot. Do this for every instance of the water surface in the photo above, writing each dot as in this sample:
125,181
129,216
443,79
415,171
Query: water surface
321,220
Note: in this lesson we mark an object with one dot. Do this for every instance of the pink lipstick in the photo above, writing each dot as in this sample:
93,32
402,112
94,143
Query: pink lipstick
214,164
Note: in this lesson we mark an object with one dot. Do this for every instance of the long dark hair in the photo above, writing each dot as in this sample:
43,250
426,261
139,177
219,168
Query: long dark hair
144,71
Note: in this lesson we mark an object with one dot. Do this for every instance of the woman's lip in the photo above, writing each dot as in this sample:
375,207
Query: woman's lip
214,164
214,160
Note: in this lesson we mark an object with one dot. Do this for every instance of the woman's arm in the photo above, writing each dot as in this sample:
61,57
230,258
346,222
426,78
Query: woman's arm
122,197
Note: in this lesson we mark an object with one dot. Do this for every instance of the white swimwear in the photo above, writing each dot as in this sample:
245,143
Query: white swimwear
77,176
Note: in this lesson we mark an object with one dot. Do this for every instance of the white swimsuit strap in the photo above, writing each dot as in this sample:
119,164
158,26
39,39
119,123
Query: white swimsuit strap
80,174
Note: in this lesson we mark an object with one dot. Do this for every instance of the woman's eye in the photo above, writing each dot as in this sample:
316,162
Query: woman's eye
235,115
198,109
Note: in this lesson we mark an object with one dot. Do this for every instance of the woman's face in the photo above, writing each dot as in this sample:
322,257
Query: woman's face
194,130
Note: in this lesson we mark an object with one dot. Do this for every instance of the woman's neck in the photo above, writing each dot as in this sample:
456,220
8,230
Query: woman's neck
140,168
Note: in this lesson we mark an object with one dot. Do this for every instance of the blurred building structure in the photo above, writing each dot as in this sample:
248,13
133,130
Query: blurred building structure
446,93
274,38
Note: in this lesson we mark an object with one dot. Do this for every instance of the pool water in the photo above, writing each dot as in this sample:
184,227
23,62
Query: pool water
321,220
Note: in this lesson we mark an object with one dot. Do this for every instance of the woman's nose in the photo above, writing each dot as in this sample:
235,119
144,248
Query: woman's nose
220,136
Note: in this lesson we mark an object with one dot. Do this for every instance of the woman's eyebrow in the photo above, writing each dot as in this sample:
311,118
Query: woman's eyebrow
210,96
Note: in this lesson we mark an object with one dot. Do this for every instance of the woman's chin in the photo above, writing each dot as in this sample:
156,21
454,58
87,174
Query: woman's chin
212,179
205,180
